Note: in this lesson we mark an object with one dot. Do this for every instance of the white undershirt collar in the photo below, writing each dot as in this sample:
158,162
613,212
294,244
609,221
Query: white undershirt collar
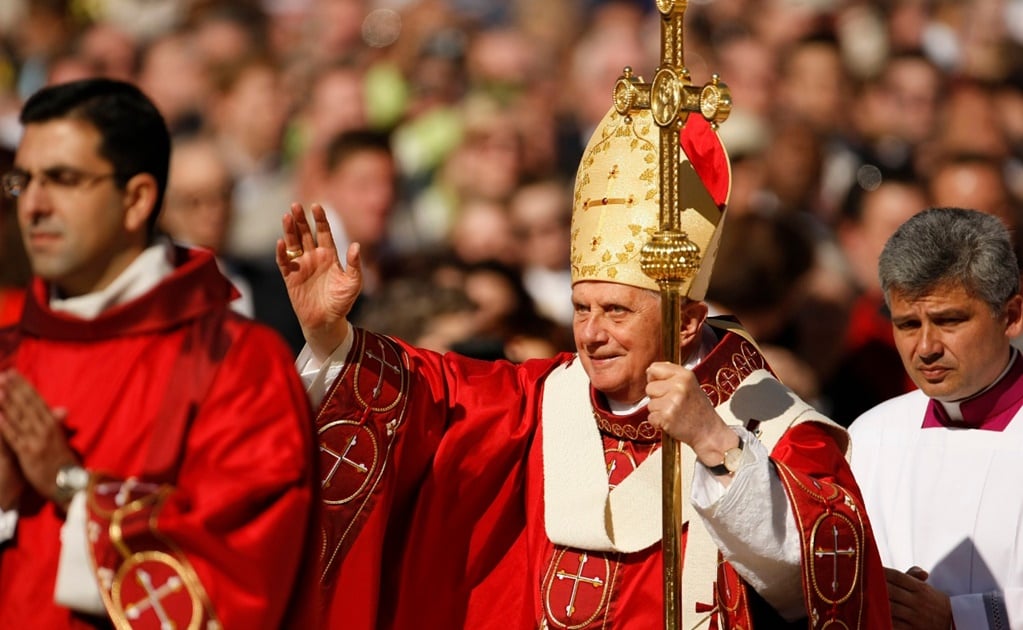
145,272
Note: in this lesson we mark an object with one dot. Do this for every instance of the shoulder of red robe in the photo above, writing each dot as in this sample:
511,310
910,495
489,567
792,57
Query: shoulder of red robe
835,540
144,579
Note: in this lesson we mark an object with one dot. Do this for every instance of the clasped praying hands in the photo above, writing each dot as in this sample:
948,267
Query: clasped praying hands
34,445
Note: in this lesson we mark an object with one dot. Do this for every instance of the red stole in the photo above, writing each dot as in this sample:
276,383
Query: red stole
357,429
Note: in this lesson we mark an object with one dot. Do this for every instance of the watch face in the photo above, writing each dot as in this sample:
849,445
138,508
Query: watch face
73,478
79,478
733,458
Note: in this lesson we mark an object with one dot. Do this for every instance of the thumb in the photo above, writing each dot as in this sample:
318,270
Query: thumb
918,573
354,257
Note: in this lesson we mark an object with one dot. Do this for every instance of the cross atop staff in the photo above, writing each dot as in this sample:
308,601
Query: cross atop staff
671,97
671,258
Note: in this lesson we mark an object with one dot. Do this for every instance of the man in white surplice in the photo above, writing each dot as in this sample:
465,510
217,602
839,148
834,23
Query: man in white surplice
939,466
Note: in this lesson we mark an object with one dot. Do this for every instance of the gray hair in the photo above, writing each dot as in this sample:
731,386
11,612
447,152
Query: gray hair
951,245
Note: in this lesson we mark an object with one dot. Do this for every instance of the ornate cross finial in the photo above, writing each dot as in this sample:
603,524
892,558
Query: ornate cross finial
671,97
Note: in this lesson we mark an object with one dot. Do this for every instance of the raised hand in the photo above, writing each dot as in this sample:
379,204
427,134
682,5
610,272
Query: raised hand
34,433
321,290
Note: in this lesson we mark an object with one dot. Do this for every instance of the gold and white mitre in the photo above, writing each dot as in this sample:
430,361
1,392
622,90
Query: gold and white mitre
616,205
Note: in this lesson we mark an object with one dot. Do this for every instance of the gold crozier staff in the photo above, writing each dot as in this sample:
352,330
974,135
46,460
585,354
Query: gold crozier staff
671,258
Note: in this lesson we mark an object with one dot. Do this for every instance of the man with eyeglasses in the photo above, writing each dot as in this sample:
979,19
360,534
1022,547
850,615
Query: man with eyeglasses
155,448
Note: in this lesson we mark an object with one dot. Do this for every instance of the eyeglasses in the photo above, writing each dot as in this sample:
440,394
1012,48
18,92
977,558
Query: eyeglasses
60,177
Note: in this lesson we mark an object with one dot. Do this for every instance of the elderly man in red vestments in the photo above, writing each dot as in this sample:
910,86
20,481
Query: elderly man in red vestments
463,493
156,463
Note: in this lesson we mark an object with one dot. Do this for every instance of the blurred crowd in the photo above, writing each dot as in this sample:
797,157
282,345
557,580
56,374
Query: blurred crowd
444,135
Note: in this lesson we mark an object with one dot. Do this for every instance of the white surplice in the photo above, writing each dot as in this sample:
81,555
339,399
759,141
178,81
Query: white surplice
949,500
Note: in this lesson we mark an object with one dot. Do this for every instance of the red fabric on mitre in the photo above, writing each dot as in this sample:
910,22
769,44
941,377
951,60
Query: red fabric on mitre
703,147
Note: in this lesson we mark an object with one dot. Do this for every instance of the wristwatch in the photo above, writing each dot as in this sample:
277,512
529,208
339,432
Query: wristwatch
71,478
731,461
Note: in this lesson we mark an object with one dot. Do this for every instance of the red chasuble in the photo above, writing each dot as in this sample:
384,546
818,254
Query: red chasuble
434,490
198,431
